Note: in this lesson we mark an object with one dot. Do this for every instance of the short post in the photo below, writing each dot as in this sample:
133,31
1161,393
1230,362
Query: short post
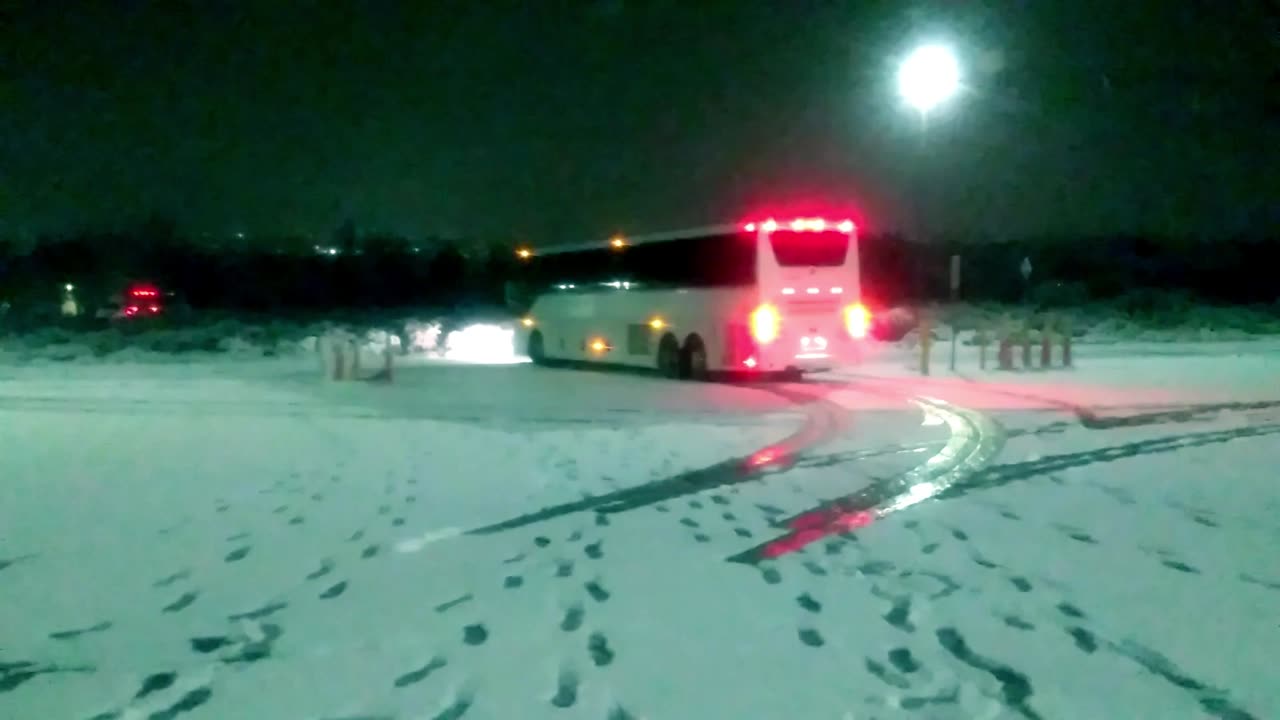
982,349
1004,355
338,369
1046,349
1066,344
926,341
354,345
954,335
1026,349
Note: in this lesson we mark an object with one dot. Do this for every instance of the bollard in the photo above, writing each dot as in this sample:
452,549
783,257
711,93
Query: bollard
926,341
1004,356
1026,349
982,349
1066,347
337,361
1046,350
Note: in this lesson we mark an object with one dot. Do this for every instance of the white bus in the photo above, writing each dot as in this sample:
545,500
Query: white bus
764,297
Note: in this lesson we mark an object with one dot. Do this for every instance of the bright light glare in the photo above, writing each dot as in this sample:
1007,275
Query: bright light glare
483,344
928,77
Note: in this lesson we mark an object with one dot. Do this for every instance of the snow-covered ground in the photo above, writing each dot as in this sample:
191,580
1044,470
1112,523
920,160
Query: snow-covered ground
247,540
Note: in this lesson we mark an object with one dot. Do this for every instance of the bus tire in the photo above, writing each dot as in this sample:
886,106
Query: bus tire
537,348
669,357
693,360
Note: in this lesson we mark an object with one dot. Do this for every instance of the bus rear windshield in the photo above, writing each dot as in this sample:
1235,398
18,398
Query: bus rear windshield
811,249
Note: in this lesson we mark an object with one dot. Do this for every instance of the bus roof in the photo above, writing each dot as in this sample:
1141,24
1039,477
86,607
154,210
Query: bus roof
642,239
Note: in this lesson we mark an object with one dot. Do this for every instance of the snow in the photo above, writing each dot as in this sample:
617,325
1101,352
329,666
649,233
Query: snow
244,539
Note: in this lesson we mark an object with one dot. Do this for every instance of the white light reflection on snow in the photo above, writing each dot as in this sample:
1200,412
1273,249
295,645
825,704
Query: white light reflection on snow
483,343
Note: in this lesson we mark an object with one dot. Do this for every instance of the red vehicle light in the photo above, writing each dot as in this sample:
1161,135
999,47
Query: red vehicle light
765,324
857,320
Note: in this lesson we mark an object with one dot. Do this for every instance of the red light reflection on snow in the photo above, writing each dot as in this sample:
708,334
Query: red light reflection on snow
814,526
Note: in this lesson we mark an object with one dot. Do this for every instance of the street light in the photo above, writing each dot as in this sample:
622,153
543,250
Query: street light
928,77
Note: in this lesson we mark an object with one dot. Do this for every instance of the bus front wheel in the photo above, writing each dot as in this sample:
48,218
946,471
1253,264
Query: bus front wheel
669,357
693,361
537,349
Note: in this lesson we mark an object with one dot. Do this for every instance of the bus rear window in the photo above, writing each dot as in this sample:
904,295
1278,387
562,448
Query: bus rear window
813,249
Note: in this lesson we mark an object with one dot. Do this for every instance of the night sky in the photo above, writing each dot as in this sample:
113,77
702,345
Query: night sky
568,120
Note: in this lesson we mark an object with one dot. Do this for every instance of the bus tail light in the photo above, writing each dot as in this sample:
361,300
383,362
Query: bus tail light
765,324
857,320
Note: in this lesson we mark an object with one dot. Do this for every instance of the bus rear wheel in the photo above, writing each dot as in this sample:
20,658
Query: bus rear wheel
669,357
693,360
537,348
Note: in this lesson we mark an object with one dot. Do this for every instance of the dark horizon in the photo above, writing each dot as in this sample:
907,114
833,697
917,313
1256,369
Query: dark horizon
568,123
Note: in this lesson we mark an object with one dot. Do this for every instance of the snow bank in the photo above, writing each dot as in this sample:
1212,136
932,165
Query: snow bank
229,339
1139,317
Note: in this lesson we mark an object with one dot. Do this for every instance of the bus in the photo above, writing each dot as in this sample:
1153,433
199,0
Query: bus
767,297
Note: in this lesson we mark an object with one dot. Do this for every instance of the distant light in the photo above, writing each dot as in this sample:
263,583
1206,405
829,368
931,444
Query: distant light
599,345
240,235
618,243
928,77
845,226
770,225
749,362
837,290
524,253
788,291
69,287
798,225
527,322
812,291
749,227
657,323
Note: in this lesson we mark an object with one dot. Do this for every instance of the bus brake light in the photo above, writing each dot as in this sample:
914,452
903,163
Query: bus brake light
857,320
765,324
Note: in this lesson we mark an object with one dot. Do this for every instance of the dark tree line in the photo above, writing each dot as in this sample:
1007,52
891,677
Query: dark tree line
260,274
1075,270
370,270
